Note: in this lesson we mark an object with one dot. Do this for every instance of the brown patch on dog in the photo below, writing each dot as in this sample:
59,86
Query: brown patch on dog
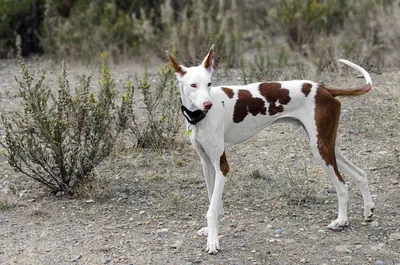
327,113
209,60
229,92
223,164
273,92
245,104
175,65
306,89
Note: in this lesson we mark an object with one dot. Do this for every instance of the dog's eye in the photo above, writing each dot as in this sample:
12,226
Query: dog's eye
209,84
193,85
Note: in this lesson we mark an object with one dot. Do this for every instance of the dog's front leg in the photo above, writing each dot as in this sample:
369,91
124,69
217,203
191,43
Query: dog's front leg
208,167
209,175
213,210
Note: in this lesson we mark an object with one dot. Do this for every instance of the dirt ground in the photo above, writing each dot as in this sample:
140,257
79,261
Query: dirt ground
149,205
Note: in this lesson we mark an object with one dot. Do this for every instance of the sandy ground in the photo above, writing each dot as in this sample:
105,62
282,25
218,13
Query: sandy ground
277,200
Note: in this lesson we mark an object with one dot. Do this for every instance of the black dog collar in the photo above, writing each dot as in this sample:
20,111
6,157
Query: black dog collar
193,117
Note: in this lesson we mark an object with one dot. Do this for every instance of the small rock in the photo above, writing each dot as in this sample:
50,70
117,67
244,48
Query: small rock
162,231
271,240
379,262
177,244
256,263
203,231
107,260
198,260
395,182
189,263
279,231
374,224
31,200
394,236
253,251
278,235
131,219
341,248
242,245
321,231
142,212
76,258
290,241
89,201
303,261
269,226
141,249
240,228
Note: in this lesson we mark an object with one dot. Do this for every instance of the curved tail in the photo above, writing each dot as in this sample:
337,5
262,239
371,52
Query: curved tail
353,92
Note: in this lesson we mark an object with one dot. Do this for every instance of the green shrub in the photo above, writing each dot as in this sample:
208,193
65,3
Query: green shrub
58,138
157,124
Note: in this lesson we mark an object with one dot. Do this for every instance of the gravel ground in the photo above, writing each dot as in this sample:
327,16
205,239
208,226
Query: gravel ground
278,201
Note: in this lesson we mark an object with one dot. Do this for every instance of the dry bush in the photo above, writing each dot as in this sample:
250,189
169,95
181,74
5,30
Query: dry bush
298,189
159,122
59,138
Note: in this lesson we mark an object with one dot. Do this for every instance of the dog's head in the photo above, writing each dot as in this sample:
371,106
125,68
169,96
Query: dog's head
195,82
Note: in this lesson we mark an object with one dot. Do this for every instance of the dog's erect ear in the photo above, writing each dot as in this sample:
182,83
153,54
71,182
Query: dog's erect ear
208,62
178,68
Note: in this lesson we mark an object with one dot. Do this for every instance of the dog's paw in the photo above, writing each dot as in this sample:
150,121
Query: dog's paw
338,224
203,231
212,243
369,212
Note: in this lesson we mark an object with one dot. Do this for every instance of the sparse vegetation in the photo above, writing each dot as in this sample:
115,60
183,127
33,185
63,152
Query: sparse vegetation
58,138
298,188
159,125
316,30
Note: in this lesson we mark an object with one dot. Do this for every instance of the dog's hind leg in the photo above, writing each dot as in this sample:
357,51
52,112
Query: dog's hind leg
322,134
361,178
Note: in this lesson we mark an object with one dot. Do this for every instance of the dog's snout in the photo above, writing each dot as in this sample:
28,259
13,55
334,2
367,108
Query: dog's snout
207,105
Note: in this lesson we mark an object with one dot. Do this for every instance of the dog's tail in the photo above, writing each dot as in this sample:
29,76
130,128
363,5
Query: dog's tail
353,92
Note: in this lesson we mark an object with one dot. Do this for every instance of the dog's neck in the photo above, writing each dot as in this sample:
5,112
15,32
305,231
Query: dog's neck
192,114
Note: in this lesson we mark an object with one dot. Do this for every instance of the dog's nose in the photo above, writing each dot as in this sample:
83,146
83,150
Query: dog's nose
207,105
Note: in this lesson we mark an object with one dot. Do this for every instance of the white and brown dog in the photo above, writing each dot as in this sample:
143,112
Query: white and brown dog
222,116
